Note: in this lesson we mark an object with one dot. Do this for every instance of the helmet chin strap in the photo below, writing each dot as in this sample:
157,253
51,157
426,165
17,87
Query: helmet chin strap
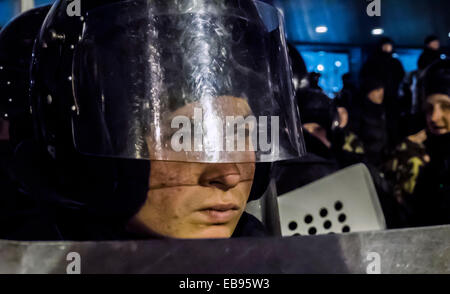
260,180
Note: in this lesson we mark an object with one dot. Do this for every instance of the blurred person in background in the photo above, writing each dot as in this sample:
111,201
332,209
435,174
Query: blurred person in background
322,132
412,116
430,202
382,66
331,146
327,122
348,94
431,52
370,121
411,156
411,112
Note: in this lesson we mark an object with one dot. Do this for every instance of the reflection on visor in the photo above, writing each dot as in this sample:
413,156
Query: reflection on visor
205,82
236,135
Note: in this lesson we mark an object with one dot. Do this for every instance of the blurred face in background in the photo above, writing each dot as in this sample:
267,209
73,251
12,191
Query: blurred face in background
437,109
376,96
343,117
387,48
434,45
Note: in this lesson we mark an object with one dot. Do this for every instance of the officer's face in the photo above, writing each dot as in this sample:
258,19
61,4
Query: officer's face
197,200
437,109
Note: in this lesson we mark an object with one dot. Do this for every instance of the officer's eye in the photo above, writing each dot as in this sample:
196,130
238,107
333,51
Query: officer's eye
428,108
445,106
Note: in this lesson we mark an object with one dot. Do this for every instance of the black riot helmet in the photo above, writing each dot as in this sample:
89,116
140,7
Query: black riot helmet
16,46
110,86
435,79
317,107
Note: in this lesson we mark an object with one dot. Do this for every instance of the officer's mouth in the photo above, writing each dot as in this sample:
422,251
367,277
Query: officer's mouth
219,213
438,129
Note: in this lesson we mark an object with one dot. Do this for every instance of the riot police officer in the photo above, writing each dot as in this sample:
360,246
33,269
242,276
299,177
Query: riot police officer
156,119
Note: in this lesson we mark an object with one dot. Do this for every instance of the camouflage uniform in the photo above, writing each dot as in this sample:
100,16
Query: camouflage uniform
404,167
352,143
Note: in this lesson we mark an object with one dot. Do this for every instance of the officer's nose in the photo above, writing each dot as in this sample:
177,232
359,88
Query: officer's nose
223,176
436,116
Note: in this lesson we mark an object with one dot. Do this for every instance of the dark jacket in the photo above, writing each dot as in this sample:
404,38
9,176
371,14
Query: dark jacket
384,67
389,70
427,57
431,198
370,124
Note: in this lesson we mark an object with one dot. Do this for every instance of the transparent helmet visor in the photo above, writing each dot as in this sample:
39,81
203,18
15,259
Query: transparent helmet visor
193,81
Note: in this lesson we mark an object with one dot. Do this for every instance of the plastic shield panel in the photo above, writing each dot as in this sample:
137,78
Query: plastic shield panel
194,81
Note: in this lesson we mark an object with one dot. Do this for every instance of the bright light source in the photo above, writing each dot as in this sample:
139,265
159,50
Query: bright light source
378,31
395,55
321,29
338,63
443,56
320,67
449,34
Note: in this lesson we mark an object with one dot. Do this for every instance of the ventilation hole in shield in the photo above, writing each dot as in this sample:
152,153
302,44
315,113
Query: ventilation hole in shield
312,231
338,205
323,212
346,229
296,234
342,217
327,224
292,225
308,219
